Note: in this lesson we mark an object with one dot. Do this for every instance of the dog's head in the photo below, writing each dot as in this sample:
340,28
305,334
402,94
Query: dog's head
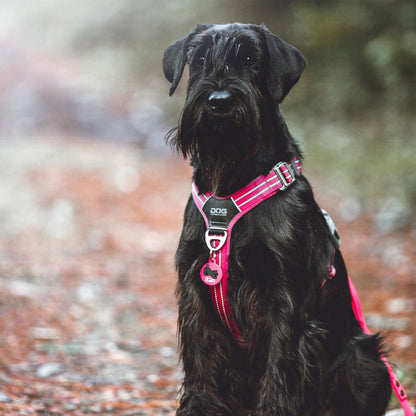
238,74
239,44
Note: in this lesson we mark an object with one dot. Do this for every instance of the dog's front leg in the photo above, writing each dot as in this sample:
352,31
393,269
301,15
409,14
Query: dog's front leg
281,386
210,381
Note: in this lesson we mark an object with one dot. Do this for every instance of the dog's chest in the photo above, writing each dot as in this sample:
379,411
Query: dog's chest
236,227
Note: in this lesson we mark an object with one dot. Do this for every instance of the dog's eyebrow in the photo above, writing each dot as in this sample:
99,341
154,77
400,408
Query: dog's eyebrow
245,41
201,40
196,48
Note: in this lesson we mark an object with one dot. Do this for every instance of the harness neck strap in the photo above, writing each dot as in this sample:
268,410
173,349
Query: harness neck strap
224,212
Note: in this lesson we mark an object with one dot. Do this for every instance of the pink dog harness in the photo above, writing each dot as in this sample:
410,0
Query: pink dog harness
220,215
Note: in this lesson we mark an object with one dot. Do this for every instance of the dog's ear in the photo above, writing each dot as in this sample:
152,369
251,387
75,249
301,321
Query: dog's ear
286,65
174,58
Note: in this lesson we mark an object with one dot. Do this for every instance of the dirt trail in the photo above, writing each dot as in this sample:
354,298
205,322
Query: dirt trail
87,310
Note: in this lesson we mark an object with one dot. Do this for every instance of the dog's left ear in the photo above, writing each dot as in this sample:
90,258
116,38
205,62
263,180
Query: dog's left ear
175,59
286,65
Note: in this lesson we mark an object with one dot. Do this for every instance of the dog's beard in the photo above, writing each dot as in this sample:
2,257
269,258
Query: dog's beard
220,145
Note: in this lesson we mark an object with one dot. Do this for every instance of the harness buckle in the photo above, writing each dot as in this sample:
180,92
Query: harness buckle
213,235
279,173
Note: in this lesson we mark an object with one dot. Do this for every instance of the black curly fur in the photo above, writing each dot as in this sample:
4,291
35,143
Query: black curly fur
307,354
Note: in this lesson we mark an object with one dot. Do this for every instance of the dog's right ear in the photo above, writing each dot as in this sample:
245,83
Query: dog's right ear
174,58
286,65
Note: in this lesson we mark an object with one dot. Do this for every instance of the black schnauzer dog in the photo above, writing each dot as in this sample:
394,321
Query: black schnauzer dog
304,352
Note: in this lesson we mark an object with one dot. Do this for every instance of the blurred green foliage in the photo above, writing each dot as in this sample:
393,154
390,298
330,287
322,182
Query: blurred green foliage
354,108
370,46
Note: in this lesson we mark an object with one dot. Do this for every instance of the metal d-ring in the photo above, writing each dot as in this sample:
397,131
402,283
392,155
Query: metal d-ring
215,235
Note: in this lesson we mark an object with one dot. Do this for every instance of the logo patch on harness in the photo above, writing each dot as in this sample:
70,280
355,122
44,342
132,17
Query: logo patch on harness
220,212
211,274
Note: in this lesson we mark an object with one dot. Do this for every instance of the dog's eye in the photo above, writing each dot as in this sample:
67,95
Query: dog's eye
200,60
249,60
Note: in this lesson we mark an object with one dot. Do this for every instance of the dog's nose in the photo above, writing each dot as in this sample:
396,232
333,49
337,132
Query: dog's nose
219,100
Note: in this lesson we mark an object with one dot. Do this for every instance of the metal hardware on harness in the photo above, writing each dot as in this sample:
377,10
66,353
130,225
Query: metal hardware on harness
283,179
214,234
336,239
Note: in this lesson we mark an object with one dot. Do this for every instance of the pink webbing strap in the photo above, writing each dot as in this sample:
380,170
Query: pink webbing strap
219,295
219,291
395,383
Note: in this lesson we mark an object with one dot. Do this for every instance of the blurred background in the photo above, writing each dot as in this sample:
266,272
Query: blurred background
91,198
93,68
